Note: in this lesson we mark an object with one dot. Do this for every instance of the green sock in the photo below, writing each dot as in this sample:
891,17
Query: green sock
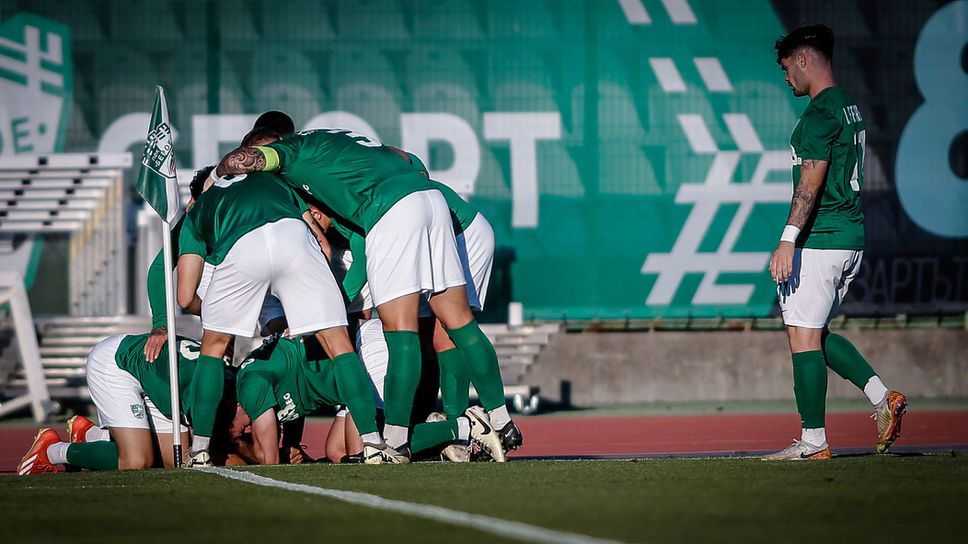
481,364
355,391
207,384
810,387
454,382
101,455
429,435
403,375
844,359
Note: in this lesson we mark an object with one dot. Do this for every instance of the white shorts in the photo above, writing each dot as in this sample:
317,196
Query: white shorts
372,347
476,249
412,249
342,261
815,290
208,270
284,257
118,396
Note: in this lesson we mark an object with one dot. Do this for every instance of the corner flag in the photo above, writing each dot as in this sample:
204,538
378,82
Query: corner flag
157,182
158,185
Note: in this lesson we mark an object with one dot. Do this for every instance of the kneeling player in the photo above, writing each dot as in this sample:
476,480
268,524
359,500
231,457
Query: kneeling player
133,403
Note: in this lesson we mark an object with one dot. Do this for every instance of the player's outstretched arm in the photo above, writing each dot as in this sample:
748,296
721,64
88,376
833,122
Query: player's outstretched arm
812,174
189,276
265,438
242,161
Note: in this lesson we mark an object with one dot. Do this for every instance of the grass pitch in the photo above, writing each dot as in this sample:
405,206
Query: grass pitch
921,498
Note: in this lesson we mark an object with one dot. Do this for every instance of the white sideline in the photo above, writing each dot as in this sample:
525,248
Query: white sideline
501,527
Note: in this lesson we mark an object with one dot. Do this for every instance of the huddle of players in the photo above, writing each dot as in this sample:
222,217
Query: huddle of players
249,231
393,218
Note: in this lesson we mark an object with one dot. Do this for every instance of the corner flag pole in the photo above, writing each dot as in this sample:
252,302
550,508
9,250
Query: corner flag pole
173,383
158,185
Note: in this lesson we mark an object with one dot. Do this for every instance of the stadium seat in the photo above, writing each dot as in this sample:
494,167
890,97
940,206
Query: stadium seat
431,64
557,172
148,23
87,26
523,81
306,24
126,82
448,20
768,105
369,19
617,115
624,169
523,20
290,83
188,87
236,24
364,83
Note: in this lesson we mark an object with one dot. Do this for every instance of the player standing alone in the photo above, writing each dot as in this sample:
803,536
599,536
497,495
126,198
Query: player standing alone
822,245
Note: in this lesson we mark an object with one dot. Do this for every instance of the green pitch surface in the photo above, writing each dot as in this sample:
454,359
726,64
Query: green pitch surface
860,499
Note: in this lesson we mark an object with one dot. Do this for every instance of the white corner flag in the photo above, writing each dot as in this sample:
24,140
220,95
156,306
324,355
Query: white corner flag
157,182
158,185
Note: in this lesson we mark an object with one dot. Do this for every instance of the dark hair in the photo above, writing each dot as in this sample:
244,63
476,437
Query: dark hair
817,37
258,133
198,181
277,121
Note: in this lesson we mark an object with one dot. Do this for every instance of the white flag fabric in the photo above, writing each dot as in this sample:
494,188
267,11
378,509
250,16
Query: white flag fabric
157,181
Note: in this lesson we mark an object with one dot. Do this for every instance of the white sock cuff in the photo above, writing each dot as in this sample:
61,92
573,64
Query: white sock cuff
97,434
499,417
57,453
463,428
816,437
875,390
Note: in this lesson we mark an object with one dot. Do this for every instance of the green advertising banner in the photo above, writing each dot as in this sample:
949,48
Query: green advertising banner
632,155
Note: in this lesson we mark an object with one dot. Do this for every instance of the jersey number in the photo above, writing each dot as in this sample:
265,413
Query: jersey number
860,141
361,139
189,350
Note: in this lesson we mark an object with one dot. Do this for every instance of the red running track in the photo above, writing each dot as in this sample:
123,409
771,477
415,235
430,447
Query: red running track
656,435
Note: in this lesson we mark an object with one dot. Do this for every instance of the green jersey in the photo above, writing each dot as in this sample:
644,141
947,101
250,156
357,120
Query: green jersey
229,210
832,129
356,178
282,375
461,210
153,377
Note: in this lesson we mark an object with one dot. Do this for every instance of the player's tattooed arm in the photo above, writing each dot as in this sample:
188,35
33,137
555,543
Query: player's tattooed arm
812,173
242,161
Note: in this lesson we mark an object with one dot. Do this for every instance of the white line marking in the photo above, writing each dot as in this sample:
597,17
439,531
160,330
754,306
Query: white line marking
668,75
680,12
713,75
635,12
500,527
697,132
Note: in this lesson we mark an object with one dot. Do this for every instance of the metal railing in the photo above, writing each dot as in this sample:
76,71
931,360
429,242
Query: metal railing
80,195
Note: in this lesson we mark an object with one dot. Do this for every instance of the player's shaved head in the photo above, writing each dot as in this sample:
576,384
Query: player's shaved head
277,121
817,38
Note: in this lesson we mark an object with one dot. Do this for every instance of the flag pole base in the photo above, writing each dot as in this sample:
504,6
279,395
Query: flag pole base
177,457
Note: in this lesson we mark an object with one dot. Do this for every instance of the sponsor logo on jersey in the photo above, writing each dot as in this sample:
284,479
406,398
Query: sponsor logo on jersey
288,412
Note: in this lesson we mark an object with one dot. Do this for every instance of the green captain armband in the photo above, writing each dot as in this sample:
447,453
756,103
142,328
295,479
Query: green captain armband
272,158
